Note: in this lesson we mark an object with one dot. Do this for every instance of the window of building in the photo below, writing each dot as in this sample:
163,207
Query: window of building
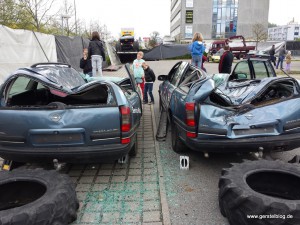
189,16
176,18
175,32
224,18
175,6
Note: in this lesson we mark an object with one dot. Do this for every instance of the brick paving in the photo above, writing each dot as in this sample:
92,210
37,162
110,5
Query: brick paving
121,193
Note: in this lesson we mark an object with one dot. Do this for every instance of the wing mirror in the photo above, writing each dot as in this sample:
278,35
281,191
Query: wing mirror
162,77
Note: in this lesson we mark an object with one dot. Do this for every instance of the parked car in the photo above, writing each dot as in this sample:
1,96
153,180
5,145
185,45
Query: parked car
258,54
248,110
49,111
214,57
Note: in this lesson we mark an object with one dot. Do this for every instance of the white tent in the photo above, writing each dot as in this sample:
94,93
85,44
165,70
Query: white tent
20,48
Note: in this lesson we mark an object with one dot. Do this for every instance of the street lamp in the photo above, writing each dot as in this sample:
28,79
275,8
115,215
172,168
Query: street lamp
62,22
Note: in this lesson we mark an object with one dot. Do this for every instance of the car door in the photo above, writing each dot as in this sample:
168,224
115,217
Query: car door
171,84
134,98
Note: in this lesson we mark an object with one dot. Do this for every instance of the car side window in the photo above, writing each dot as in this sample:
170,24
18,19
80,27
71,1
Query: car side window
177,74
260,70
241,71
19,86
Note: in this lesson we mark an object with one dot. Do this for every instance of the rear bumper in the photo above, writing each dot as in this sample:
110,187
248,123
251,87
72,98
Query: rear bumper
267,144
83,154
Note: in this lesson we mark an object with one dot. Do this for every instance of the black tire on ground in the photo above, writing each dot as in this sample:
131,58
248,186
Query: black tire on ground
177,145
118,47
36,197
133,151
260,188
136,46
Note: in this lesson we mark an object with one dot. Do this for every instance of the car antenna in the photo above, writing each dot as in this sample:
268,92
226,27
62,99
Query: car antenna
285,73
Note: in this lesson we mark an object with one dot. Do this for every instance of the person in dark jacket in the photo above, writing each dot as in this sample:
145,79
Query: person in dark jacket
272,55
86,63
281,57
226,61
149,80
96,53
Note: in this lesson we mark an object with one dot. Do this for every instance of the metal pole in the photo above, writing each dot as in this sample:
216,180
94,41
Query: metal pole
75,17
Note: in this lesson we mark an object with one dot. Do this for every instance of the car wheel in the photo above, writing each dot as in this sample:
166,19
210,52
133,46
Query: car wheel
260,188
134,149
118,47
136,46
177,145
37,197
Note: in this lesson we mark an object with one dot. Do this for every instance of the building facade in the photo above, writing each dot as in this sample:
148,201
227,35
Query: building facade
289,32
216,18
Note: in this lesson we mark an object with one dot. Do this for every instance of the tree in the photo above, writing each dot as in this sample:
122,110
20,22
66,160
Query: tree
260,33
7,12
153,39
270,25
39,12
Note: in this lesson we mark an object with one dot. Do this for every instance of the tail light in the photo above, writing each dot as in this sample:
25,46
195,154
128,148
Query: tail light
190,118
125,118
190,114
125,122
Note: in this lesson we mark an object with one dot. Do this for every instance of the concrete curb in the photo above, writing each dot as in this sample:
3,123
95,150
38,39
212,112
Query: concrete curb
162,189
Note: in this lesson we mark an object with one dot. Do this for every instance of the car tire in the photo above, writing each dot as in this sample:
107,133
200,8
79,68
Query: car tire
136,46
134,149
118,47
36,197
177,145
260,188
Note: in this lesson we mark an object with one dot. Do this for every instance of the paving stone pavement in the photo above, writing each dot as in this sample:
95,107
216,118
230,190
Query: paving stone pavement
121,193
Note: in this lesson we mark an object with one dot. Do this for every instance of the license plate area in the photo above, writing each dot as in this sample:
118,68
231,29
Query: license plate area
57,137
253,131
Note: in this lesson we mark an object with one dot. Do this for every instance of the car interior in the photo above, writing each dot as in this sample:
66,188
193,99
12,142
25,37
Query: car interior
26,92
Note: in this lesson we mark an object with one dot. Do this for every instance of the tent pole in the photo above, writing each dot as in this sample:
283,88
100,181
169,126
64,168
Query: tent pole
41,46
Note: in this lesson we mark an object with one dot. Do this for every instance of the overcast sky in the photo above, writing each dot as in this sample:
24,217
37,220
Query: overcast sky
146,16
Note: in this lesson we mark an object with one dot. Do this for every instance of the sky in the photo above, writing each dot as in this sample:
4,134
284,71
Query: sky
146,16
282,11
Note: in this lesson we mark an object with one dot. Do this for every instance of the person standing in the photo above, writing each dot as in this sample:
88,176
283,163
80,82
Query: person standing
226,60
85,63
96,53
288,60
149,80
197,48
138,71
281,57
272,55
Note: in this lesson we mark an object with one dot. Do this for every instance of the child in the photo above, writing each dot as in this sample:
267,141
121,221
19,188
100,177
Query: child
138,70
197,49
149,80
288,61
86,63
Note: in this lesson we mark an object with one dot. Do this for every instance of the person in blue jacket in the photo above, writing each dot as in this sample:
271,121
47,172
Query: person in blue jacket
197,48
